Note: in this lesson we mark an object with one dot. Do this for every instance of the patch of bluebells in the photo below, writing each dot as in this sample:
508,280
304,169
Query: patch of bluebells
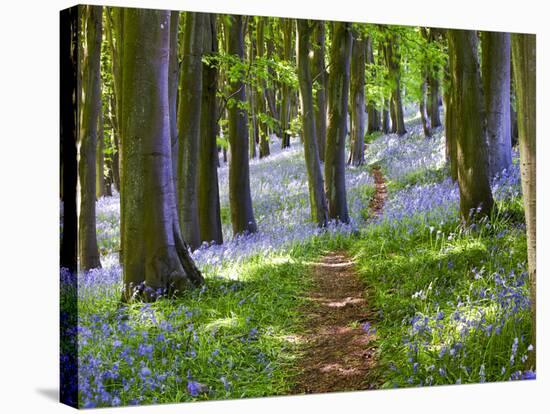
449,344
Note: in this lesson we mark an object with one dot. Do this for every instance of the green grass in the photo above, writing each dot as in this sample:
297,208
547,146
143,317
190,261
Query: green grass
447,283
237,336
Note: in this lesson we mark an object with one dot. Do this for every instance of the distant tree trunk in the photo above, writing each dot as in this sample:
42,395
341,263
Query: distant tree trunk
385,117
209,199
252,127
426,125
100,157
372,112
338,91
496,88
286,90
525,77
173,80
261,97
189,116
357,101
393,62
513,112
317,199
88,251
393,115
240,199
270,91
319,73
156,259
113,29
433,86
473,178
423,111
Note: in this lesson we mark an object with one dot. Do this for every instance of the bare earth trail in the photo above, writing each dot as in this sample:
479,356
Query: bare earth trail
339,353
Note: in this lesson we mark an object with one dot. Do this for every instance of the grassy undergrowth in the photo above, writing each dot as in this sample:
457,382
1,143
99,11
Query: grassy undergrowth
233,338
452,302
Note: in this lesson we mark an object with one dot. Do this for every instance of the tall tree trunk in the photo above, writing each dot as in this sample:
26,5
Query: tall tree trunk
524,58
156,259
173,81
496,88
113,30
100,156
319,74
209,198
450,117
473,178
270,89
240,199
263,135
338,91
433,87
189,116
317,199
426,125
393,62
385,117
91,105
286,90
372,112
357,102
423,111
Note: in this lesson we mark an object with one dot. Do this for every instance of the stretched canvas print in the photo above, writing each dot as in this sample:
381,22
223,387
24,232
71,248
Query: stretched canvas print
255,206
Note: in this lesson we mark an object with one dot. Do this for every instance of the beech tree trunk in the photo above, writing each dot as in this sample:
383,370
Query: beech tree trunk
338,91
473,178
450,136
209,199
385,117
286,90
524,56
263,134
270,89
423,110
372,113
393,58
317,199
357,102
496,88
156,259
433,87
240,200
189,116
88,252
100,190
173,81
319,74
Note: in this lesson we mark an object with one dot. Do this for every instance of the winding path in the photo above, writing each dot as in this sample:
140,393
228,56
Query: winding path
339,354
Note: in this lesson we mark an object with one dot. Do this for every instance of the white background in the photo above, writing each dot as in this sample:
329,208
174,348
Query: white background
29,79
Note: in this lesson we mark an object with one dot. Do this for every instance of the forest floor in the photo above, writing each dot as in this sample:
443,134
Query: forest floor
339,353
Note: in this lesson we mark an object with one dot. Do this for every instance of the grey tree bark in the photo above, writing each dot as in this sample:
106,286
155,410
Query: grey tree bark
287,25
263,135
317,199
209,199
496,88
393,62
240,199
100,188
357,101
372,113
319,74
88,252
338,92
524,57
156,258
473,179
173,81
189,116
